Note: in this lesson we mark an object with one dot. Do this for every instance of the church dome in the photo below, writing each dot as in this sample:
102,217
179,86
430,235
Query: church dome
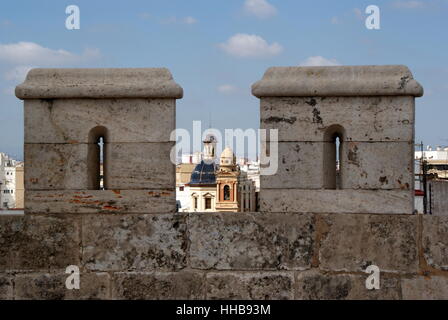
227,153
203,173
227,157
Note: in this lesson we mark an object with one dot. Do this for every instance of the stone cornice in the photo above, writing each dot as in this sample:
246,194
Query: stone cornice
393,80
99,83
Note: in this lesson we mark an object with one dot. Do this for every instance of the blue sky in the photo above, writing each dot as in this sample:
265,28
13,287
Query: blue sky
217,49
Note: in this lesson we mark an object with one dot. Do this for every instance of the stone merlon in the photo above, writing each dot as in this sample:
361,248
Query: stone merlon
99,83
337,81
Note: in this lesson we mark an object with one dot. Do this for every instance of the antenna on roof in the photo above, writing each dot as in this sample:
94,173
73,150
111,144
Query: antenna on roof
209,119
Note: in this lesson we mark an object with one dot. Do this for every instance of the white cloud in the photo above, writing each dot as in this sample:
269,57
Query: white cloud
319,61
412,4
175,20
30,53
189,20
227,89
18,73
250,45
260,8
20,57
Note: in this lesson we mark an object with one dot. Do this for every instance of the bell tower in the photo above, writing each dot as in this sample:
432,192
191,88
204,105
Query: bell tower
209,148
227,182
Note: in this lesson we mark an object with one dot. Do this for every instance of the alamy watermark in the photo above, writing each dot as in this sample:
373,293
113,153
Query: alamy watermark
73,21
373,280
240,141
73,280
373,20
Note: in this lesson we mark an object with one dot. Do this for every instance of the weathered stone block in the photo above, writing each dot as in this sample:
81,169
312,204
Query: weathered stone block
106,83
337,201
365,165
140,166
6,287
56,166
438,190
435,241
52,287
38,242
100,201
381,118
351,242
425,288
378,165
299,166
126,120
128,166
253,286
134,242
184,285
337,81
314,285
250,241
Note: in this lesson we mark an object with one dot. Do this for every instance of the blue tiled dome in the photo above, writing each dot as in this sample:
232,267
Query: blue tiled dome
203,173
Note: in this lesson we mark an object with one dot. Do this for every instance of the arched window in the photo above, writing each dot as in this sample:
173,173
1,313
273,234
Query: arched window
194,199
226,192
97,159
333,157
208,201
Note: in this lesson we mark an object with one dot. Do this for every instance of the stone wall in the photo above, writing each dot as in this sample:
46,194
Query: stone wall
129,244
223,255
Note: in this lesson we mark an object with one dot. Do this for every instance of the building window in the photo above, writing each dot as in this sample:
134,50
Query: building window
195,202
181,188
208,203
333,156
226,192
97,162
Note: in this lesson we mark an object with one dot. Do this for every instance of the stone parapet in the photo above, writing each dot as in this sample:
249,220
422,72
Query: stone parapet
223,256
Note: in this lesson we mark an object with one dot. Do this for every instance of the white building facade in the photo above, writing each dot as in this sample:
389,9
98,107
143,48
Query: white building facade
436,166
7,182
252,170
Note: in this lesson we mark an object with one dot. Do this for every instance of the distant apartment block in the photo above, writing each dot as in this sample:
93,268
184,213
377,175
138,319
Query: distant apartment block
11,183
431,171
